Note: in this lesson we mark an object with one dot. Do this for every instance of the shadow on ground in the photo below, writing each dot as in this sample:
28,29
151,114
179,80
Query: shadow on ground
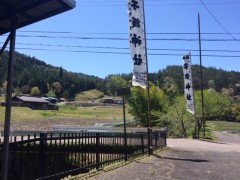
181,159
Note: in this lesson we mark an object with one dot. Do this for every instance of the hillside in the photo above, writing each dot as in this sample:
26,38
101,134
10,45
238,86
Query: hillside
30,72
212,78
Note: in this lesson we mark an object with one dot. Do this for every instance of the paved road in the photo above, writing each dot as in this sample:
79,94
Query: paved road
227,138
186,159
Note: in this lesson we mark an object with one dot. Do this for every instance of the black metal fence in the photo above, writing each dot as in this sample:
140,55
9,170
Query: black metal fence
56,155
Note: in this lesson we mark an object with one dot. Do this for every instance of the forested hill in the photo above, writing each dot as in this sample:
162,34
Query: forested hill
30,72
171,79
212,78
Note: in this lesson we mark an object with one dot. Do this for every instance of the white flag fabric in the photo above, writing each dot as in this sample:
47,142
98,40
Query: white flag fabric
188,86
137,42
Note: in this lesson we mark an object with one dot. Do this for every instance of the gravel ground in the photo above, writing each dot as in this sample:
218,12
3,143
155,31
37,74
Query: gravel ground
185,159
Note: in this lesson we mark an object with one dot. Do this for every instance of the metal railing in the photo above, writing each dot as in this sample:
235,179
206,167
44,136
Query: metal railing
56,155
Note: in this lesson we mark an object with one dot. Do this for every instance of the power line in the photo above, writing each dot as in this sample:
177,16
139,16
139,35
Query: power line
73,37
214,17
124,39
127,53
124,33
74,46
123,48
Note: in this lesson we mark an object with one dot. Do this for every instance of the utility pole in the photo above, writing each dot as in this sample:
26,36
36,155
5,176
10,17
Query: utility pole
201,74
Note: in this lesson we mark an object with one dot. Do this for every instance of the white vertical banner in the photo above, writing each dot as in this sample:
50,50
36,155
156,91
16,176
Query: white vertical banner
188,85
137,42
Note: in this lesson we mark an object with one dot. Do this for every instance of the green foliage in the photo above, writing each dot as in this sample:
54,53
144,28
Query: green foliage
113,83
26,89
137,104
232,112
35,91
208,131
216,78
17,91
57,87
227,127
4,86
179,122
32,72
35,73
224,125
217,105
214,104
211,84
170,87
89,95
51,94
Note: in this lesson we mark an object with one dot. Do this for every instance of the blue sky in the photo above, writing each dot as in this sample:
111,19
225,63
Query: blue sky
64,39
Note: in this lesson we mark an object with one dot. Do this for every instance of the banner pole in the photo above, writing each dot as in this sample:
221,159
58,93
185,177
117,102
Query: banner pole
150,151
138,48
201,74
194,115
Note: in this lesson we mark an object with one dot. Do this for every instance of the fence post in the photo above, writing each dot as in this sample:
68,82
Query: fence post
97,150
142,140
150,148
165,137
125,146
156,138
41,155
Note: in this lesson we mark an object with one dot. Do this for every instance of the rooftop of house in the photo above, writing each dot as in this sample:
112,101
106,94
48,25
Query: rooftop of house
31,99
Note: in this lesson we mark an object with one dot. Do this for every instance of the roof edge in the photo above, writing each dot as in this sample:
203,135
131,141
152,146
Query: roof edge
71,3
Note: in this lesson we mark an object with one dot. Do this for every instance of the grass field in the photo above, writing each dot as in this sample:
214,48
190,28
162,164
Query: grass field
218,126
224,125
110,112
87,96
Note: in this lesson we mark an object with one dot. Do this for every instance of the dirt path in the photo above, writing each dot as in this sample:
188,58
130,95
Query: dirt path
186,159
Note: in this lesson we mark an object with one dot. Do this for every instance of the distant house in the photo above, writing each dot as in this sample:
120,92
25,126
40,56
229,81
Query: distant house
35,103
107,100
51,99
117,101
112,100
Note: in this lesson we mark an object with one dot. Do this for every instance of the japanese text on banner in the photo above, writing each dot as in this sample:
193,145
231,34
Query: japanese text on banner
137,42
188,86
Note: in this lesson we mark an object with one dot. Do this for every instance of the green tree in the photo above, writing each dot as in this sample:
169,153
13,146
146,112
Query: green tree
51,94
60,72
137,104
232,113
214,103
35,91
179,122
26,89
211,84
170,87
4,86
57,87
115,82
17,91
228,92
